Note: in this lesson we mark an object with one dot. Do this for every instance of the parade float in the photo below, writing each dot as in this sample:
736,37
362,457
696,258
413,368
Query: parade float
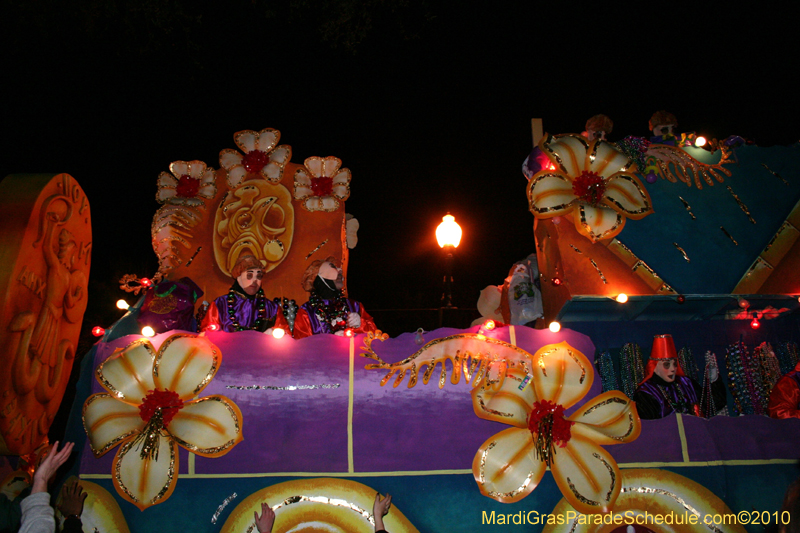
496,426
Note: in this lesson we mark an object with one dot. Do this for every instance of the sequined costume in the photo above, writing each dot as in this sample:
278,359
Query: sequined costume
784,401
656,398
310,323
245,312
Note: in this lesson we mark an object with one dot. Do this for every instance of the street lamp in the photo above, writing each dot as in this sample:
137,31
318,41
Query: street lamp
448,233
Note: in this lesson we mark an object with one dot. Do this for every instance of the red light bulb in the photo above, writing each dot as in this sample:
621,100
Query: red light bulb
681,298
146,283
557,281
489,324
348,332
97,331
755,324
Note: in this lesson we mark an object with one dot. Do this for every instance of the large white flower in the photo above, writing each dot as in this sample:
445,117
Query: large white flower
591,181
262,156
321,183
149,411
509,465
188,182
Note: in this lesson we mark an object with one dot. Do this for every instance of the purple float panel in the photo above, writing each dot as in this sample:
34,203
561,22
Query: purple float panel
293,395
750,437
659,442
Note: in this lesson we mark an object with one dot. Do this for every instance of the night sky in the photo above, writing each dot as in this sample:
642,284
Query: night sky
428,103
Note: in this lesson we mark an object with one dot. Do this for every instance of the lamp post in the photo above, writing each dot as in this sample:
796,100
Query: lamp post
448,234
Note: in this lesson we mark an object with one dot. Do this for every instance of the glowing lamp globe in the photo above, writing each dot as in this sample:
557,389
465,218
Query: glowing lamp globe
489,324
147,331
122,304
700,141
555,327
755,324
448,232
278,333
622,298
97,331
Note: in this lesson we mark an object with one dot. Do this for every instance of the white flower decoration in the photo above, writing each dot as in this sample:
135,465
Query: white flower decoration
321,183
188,182
262,156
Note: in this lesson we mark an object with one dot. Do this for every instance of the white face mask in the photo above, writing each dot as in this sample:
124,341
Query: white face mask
250,280
667,369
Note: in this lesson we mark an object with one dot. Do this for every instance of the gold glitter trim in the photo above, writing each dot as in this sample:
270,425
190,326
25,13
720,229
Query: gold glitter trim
494,494
686,167
570,353
574,248
775,174
610,472
742,206
682,251
627,433
580,497
475,366
315,250
729,235
335,502
492,411
688,207
605,402
675,497
600,272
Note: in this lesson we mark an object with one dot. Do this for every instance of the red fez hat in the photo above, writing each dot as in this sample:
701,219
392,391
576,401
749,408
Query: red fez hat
663,348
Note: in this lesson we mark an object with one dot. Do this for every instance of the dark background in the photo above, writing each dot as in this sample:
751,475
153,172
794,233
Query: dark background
428,103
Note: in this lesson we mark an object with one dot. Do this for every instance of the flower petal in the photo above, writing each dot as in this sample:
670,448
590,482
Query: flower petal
164,194
229,158
207,191
179,168
235,176
598,223
185,364
267,139
108,421
196,169
341,184
568,152
245,140
144,481
166,180
314,164
208,177
210,426
561,374
330,165
610,418
550,194
625,193
506,467
281,155
605,160
128,373
507,404
587,475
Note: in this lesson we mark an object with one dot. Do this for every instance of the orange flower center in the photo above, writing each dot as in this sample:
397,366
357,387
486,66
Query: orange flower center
548,427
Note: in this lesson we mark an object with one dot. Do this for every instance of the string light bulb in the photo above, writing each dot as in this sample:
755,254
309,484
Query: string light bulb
700,141
97,331
622,298
555,327
278,333
489,324
122,304
348,332
147,331
755,324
